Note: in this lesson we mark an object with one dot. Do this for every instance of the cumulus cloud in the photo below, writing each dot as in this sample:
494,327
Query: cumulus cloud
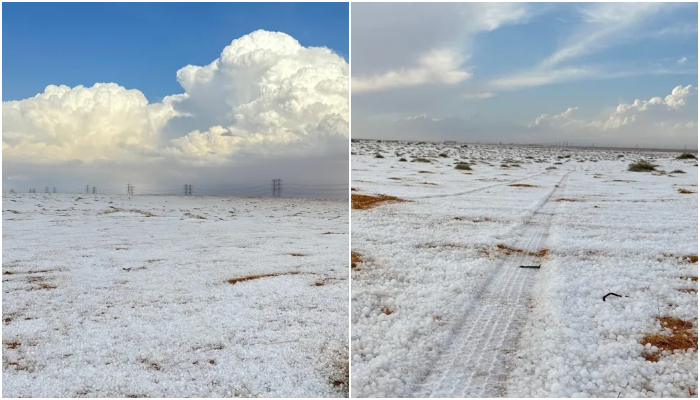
438,66
86,123
551,119
265,96
264,92
642,121
660,108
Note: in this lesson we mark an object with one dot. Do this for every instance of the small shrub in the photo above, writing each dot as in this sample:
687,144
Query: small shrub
420,159
687,156
678,171
378,156
402,159
685,191
443,155
463,166
642,166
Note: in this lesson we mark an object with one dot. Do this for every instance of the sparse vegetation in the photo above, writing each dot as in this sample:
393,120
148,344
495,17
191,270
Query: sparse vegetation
685,191
463,166
133,210
378,156
687,156
402,159
642,166
420,159
678,171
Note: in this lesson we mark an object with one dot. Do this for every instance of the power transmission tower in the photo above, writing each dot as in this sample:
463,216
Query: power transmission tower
87,189
46,190
129,189
54,189
277,188
188,189
94,190
32,190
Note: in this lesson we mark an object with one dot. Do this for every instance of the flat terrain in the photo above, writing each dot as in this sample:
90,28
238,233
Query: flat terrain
170,296
442,308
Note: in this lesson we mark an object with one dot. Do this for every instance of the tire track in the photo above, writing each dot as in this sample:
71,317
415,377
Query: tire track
433,196
477,361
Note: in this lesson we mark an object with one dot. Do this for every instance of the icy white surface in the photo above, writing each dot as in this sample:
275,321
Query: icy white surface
121,304
428,300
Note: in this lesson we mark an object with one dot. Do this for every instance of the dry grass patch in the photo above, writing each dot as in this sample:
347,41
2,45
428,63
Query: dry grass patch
425,172
234,281
511,250
681,337
691,258
364,202
685,191
571,200
133,210
297,254
387,311
689,277
429,183
521,185
623,180
688,290
687,156
12,345
642,166
354,259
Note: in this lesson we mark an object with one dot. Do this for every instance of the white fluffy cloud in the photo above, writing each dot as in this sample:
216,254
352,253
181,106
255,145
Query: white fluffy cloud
437,66
265,95
87,123
644,121
551,119
421,43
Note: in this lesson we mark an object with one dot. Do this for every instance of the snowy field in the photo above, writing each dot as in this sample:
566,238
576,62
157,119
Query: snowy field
129,296
441,307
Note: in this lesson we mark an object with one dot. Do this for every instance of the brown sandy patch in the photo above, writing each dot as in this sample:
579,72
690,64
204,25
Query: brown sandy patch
681,337
364,202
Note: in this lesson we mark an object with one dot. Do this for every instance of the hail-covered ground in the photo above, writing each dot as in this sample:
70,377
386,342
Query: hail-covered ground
443,304
129,296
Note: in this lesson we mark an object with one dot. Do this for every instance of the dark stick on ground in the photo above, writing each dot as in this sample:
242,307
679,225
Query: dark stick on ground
611,293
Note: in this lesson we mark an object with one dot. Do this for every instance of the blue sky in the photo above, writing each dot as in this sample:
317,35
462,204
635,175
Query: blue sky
162,94
142,45
475,71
